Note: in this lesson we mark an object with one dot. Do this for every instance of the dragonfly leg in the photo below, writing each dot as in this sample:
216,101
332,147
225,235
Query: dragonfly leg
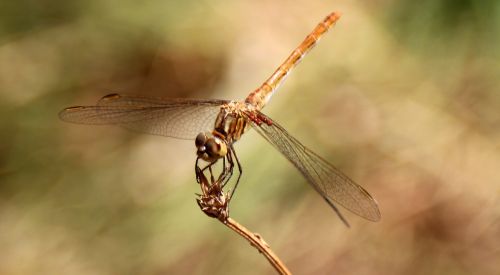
209,166
200,171
211,174
204,184
239,170
197,171
228,170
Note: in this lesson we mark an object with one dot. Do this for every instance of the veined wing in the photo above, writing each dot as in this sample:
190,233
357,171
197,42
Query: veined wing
331,183
178,118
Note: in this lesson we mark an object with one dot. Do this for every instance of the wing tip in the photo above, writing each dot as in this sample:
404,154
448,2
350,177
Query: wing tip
112,96
375,218
63,114
376,211
373,215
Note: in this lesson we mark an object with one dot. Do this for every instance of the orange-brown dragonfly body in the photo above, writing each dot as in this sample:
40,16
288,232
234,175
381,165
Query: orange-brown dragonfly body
217,124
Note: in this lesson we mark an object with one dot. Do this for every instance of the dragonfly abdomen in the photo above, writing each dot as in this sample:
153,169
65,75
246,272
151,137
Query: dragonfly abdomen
261,96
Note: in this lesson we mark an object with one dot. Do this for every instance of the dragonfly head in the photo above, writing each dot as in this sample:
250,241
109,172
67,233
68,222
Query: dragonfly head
209,147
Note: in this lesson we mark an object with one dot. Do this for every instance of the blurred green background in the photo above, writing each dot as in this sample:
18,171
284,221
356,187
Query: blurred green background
403,96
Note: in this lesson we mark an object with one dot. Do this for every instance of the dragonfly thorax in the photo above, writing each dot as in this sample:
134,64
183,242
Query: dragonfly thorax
209,147
230,123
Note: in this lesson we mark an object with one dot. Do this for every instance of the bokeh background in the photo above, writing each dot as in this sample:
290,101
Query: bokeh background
403,96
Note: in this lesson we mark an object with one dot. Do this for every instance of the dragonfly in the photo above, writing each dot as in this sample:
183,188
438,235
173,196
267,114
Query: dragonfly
215,125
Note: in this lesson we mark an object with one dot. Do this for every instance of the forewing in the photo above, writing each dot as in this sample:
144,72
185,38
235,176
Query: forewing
178,118
330,182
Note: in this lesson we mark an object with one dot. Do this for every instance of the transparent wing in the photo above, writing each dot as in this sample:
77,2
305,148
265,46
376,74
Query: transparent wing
330,182
178,118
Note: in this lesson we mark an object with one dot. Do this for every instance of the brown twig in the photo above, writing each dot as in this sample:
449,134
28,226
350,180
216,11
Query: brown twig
259,243
215,203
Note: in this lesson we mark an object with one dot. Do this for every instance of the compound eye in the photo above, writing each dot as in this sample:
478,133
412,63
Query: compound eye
212,146
200,140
